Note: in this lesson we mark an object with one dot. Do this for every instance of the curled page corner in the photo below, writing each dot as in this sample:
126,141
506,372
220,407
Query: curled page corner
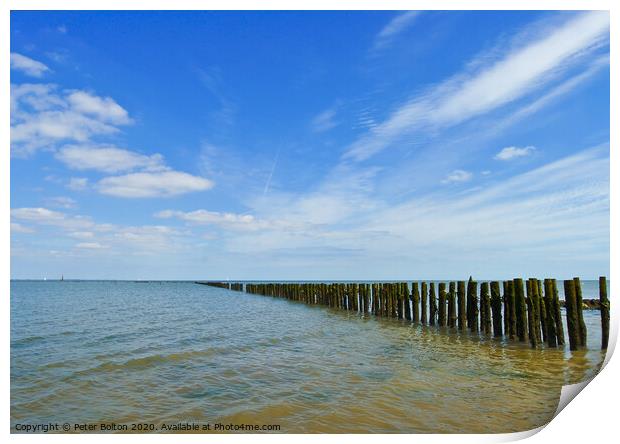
569,392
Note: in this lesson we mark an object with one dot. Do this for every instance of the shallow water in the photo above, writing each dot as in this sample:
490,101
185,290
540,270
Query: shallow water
125,352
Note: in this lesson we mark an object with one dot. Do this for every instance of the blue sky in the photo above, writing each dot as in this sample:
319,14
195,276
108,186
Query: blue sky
309,145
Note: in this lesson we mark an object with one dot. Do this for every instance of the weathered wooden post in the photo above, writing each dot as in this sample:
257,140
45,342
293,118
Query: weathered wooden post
583,332
506,308
433,304
452,305
407,301
472,296
485,304
536,301
542,310
415,303
572,318
512,325
460,294
602,288
496,307
424,299
531,317
549,307
521,310
442,304
559,327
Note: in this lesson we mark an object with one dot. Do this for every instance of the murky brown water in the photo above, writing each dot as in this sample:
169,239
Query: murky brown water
158,353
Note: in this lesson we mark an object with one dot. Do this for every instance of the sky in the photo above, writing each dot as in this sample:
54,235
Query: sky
368,145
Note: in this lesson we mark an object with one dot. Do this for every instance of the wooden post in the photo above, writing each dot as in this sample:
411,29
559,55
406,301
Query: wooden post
521,310
536,302
506,307
433,304
424,299
572,318
512,325
472,296
407,300
415,303
485,308
460,294
442,304
542,310
550,314
602,288
496,307
583,332
531,317
452,305
557,314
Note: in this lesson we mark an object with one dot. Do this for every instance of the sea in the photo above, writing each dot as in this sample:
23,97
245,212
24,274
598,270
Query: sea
166,355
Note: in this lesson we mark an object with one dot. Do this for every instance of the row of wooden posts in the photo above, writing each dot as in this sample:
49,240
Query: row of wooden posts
524,310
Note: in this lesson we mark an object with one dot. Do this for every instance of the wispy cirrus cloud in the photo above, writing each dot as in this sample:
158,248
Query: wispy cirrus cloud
28,66
324,121
489,85
394,27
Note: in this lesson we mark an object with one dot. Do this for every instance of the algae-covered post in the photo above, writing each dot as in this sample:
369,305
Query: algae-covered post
512,325
549,306
506,307
559,327
583,333
415,303
407,301
521,310
542,310
531,317
496,308
602,284
472,296
424,299
462,315
452,305
572,318
442,304
485,308
433,304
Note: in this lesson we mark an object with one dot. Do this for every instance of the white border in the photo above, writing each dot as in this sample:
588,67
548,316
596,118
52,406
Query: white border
589,418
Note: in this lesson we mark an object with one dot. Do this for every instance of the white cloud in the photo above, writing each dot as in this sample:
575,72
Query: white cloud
62,29
82,234
61,202
490,85
43,216
18,228
324,121
157,184
27,65
107,158
227,220
90,245
77,183
104,108
396,26
42,116
457,176
514,152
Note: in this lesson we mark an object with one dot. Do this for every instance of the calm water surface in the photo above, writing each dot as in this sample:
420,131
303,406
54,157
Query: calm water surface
128,352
